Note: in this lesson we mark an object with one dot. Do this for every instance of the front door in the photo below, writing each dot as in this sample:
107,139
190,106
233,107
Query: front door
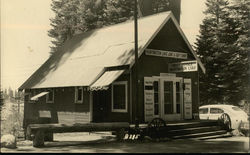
171,94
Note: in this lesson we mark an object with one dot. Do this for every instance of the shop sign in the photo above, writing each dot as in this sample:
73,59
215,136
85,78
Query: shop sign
187,99
184,66
148,98
169,54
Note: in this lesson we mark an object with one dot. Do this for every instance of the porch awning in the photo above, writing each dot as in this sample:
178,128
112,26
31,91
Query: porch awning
38,95
106,79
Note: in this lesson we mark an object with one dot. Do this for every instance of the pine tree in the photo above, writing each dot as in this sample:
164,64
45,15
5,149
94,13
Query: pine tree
222,51
208,49
238,47
77,16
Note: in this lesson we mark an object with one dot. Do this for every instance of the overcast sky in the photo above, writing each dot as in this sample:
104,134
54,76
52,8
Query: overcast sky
25,43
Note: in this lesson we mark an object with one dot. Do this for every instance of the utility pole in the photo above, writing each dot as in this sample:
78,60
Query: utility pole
136,62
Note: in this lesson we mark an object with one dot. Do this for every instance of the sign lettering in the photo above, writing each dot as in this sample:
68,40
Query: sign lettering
184,66
162,53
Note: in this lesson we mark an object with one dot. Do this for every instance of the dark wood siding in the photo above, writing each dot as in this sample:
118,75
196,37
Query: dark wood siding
102,110
63,109
167,39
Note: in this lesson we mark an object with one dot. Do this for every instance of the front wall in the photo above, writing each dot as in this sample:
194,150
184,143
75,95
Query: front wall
167,39
63,110
102,100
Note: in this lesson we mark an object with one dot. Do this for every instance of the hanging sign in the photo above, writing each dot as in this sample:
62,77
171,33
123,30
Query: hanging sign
184,66
187,99
170,54
148,99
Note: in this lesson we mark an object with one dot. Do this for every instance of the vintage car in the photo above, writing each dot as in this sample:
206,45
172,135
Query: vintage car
234,116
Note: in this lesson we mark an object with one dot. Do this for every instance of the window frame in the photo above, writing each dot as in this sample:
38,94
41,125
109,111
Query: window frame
126,97
47,96
207,110
76,95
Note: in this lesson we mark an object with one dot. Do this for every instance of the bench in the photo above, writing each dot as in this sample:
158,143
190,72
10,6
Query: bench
37,131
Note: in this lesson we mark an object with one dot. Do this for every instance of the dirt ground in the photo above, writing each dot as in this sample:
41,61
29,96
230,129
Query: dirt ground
105,143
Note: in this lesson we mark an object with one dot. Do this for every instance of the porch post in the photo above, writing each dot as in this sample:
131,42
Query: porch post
136,61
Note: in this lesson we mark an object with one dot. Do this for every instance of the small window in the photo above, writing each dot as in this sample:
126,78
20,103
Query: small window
236,109
203,111
50,96
78,95
216,111
119,96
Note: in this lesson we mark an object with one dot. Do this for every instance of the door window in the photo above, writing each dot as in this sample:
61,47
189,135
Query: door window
168,97
178,98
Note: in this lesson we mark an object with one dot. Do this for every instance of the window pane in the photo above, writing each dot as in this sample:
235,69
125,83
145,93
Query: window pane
178,98
50,98
203,111
156,98
236,109
168,97
119,97
79,94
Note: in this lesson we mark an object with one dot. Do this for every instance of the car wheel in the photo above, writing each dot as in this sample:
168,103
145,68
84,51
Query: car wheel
225,121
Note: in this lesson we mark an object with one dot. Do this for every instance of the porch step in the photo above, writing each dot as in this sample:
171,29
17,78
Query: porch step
202,134
194,130
176,126
213,137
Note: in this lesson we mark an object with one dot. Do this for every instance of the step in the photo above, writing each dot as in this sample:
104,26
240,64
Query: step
193,130
204,134
213,137
191,125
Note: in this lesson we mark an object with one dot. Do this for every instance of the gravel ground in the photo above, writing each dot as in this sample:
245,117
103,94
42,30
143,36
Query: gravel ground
105,143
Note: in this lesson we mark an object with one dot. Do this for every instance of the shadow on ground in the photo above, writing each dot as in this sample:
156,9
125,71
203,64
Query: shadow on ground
109,145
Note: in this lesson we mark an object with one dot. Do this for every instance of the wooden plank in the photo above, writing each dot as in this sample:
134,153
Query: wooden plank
87,127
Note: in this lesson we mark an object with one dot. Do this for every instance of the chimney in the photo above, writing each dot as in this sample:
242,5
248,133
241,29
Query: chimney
146,8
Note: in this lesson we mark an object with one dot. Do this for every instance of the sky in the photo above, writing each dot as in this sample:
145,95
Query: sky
25,44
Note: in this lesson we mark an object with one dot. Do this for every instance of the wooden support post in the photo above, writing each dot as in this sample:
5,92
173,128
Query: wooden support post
38,139
120,134
48,136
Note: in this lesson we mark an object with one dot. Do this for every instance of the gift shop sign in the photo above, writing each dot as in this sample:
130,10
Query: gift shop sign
184,66
169,54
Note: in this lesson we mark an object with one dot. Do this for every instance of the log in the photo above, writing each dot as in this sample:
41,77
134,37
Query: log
86,127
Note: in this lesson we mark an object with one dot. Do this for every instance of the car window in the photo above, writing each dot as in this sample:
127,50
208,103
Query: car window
203,110
236,108
216,111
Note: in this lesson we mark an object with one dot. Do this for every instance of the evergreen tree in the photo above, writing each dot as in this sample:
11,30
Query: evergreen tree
225,62
208,49
77,16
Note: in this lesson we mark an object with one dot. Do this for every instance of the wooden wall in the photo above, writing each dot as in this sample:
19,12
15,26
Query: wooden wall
63,110
167,39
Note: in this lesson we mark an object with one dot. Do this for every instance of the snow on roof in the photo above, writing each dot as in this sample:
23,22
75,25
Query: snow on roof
84,57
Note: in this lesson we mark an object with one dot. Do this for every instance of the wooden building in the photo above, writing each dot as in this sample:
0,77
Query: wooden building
91,79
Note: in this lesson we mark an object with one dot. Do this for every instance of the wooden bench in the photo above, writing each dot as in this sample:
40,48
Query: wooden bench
37,131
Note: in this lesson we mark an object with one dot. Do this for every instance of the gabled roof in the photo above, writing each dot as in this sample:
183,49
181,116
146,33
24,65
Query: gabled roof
84,57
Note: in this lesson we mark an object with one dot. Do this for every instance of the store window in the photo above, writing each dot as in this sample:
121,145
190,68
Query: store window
156,98
50,96
78,95
119,97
